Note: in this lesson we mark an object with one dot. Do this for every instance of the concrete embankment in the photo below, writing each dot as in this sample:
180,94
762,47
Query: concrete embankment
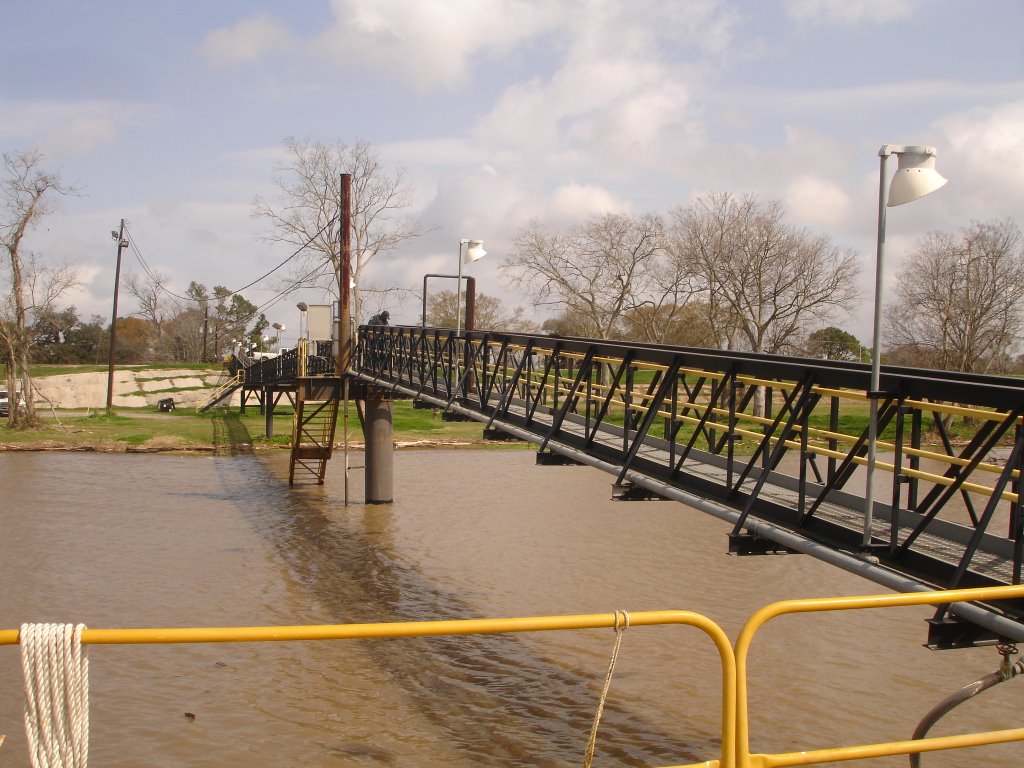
133,387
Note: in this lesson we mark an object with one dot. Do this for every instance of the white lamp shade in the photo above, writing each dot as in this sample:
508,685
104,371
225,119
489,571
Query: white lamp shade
474,251
916,176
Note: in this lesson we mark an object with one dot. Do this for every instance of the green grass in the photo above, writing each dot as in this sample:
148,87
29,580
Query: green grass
44,369
184,428
425,423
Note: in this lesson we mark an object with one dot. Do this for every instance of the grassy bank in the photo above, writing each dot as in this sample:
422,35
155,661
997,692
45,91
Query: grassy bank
148,429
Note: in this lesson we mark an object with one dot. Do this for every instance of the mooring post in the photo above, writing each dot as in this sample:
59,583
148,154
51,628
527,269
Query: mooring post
379,451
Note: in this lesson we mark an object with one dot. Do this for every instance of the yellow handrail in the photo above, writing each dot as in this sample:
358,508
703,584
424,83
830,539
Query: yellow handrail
434,628
735,750
303,353
222,390
744,758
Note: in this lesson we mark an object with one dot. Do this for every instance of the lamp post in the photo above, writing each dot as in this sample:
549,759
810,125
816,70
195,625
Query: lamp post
475,250
303,308
915,177
279,327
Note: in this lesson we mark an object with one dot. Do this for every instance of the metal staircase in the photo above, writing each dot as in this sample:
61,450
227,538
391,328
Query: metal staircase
223,391
313,427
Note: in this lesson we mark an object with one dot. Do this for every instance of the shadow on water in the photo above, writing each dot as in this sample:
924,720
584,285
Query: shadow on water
230,435
491,696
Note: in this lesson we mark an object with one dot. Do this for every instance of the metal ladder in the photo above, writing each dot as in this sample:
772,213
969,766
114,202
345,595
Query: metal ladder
313,428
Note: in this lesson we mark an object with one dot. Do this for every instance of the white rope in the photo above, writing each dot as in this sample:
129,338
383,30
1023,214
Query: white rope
619,629
55,665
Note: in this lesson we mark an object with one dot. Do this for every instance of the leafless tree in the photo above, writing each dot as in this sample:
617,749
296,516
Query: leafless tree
489,314
763,278
304,215
667,313
182,336
599,270
683,324
27,191
958,298
150,291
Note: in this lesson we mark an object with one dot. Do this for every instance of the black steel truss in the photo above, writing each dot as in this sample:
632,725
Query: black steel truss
765,435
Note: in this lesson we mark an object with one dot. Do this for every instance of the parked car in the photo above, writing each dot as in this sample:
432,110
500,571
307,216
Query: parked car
5,406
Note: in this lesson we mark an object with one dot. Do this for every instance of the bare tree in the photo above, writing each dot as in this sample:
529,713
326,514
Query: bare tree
150,291
599,270
27,191
684,324
489,315
181,337
958,298
668,313
305,213
761,276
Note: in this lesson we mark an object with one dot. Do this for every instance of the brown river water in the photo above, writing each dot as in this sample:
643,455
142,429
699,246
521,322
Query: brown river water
178,541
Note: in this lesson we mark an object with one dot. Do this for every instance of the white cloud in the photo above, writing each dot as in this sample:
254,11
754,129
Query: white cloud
574,203
247,41
982,154
617,100
431,43
850,12
72,128
817,202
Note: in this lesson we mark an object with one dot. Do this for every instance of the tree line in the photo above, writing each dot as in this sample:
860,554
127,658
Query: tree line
729,272
201,329
725,272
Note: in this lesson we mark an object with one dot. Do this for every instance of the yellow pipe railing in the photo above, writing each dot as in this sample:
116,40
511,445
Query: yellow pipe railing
745,759
302,350
951,409
436,628
221,390
735,749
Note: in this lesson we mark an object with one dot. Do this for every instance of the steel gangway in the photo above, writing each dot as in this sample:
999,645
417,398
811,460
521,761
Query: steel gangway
777,446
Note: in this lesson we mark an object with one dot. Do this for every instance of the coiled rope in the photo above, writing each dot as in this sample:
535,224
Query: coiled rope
619,629
55,665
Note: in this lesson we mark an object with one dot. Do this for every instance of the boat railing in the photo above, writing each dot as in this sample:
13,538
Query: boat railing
735,743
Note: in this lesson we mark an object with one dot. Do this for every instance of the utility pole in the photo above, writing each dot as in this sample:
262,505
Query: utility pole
122,243
206,328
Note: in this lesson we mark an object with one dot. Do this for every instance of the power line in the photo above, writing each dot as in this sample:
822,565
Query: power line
159,285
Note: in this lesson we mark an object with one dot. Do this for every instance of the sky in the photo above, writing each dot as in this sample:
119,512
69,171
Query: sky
172,114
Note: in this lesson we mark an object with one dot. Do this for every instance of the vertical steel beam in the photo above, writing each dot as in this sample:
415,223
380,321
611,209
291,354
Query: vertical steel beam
377,431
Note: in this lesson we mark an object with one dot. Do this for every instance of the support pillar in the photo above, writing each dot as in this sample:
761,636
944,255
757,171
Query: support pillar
268,398
379,451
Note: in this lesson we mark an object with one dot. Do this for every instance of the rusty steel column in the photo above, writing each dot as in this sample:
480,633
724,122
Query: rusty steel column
470,303
379,451
345,275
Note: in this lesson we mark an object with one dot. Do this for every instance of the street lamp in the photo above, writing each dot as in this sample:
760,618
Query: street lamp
303,308
915,177
474,251
278,327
